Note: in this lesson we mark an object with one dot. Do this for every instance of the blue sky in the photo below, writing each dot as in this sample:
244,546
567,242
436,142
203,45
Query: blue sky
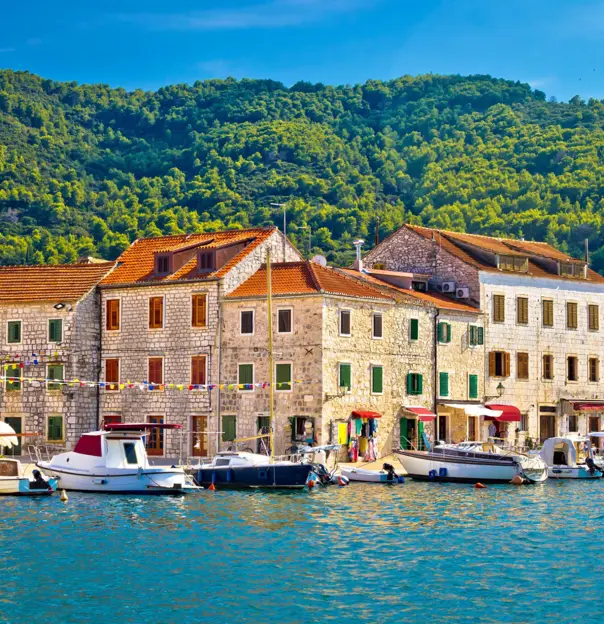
555,45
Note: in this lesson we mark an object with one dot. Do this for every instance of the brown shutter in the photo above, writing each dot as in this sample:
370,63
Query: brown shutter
155,370
112,370
198,370
112,321
199,311
506,364
492,356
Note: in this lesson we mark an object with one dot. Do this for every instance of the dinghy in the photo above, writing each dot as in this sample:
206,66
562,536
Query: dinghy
387,475
570,457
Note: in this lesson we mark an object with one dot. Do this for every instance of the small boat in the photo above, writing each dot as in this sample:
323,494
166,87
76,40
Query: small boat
472,462
14,483
561,456
114,461
387,475
234,469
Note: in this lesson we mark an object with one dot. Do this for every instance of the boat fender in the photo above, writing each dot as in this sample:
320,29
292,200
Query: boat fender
442,472
480,486
212,487
517,480
432,475
401,479
311,484
342,481
63,498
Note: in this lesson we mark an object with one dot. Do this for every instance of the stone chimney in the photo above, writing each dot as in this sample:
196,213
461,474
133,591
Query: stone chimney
358,263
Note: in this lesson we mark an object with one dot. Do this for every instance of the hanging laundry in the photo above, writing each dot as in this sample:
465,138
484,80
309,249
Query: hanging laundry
358,425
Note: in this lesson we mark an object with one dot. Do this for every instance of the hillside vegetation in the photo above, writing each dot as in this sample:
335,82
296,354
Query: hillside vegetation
84,170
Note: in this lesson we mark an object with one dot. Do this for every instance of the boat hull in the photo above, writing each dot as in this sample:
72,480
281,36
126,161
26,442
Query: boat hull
572,472
367,476
23,486
268,476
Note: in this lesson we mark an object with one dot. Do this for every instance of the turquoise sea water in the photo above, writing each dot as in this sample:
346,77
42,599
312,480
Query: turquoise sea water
365,553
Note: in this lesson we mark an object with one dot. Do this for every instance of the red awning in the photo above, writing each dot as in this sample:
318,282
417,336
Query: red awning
139,426
588,407
510,413
360,414
425,415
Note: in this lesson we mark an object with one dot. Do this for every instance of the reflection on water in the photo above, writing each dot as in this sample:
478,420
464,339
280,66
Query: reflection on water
370,553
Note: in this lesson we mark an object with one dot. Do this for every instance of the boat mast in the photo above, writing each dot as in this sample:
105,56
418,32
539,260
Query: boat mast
271,363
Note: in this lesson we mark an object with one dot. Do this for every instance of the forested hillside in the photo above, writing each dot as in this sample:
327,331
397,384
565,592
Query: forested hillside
84,170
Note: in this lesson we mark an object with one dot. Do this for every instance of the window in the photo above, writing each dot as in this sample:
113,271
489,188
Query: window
344,322
593,315
198,370
548,366
443,384
522,310
156,373
112,374
229,428
444,332
112,321
247,322
284,377
415,383
13,375
206,262
345,376
54,429
377,326
573,270
284,320
522,365
54,371
111,418
377,379
55,330
572,368
199,310
472,386
476,335
498,308
593,365
162,264
499,364
13,334
414,329
130,452
547,306
523,421
245,377
156,312
571,315
573,422
513,263
419,286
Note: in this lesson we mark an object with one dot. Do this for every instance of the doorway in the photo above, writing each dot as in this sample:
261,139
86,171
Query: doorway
408,434
155,437
473,428
442,432
16,422
547,427
263,427
199,436
594,425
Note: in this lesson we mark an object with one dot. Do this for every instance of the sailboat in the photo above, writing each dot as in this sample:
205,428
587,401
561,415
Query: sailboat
234,469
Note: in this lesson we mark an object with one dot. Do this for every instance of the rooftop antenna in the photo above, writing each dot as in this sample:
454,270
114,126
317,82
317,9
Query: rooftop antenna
358,265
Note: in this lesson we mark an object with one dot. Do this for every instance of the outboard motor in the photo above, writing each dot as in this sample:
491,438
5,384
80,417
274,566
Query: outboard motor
591,465
389,468
39,482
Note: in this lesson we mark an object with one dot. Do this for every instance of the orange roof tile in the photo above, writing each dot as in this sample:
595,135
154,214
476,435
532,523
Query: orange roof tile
44,283
137,263
453,243
300,278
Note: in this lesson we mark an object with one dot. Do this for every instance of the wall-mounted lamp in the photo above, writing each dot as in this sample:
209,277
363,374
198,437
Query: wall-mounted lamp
58,306
500,389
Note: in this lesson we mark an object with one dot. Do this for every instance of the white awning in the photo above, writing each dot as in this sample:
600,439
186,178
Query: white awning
475,410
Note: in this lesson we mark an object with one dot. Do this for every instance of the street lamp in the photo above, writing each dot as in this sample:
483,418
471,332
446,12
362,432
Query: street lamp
284,206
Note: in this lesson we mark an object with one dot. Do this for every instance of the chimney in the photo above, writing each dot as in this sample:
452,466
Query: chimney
377,231
358,263
586,251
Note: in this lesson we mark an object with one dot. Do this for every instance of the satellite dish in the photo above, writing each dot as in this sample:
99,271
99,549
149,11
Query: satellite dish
322,260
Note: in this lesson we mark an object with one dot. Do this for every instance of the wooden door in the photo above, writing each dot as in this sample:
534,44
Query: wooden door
546,427
472,428
16,422
155,437
442,428
199,436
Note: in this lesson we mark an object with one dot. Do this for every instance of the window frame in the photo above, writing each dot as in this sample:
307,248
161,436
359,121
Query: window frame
349,312
234,417
569,317
253,313
206,357
552,364
289,309
291,377
448,332
506,364
7,372
591,358
55,320
8,322
55,379
475,335
415,375
194,296
440,378
519,309
413,321
543,323
119,370
528,363
160,258
477,377
497,297
591,328
576,368
163,374
246,390
119,314
163,313
47,423
373,367
375,315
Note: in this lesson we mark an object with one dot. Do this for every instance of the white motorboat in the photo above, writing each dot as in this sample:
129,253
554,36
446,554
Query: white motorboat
472,462
387,475
115,461
570,457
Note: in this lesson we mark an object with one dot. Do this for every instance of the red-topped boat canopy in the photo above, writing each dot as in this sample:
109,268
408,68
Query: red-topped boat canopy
424,414
139,426
362,414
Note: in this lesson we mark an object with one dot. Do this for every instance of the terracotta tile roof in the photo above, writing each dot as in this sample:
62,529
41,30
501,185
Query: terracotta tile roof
44,283
137,263
299,278
414,296
454,242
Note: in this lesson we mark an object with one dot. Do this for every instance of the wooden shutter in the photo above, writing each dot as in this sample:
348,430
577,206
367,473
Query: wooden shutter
420,384
112,321
594,317
55,428
571,315
199,310
198,370
55,330
506,364
473,335
377,380
410,383
156,312
548,312
473,387
499,308
443,384
345,376
414,329
112,367
448,332
522,362
377,326
492,364
229,426
14,332
155,371
522,312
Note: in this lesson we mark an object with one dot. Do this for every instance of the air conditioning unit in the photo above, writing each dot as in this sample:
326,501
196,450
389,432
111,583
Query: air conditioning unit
462,293
446,287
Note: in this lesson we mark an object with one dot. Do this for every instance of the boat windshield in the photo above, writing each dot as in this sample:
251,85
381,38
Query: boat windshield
131,456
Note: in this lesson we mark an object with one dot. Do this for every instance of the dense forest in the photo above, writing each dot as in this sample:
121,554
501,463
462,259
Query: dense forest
84,170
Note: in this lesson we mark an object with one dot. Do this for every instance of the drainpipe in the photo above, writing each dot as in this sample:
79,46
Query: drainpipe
436,318
219,376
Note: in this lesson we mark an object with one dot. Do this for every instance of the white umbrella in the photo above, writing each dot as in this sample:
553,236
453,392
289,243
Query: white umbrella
8,436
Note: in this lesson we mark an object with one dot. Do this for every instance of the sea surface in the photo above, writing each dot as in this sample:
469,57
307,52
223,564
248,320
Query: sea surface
418,552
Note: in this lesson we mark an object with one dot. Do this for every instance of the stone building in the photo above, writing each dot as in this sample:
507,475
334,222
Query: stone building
542,310
49,329
160,338
350,347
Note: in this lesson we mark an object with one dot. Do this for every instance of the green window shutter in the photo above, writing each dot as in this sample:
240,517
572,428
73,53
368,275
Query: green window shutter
443,384
55,330
472,335
377,379
345,376
420,384
409,383
55,428
229,427
441,332
480,335
414,329
246,374
448,325
14,332
55,371
473,386
284,377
